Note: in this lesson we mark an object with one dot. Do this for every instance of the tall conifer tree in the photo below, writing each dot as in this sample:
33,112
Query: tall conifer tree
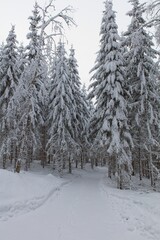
82,111
9,77
110,124
63,121
30,94
142,76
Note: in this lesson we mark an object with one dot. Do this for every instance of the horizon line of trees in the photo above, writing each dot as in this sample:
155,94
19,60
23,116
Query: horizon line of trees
45,114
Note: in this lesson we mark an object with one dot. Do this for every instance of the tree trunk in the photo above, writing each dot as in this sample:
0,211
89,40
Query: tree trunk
4,161
82,160
76,163
70,165
15,157
151,168
12,151
92,163
5,151
54,161
119,172
133,166
43,152
140,160
61,164
109,168
18,167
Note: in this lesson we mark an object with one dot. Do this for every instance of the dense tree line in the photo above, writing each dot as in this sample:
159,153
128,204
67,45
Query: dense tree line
45,114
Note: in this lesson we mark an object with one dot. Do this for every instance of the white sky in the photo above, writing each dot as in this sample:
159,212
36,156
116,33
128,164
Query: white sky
85,37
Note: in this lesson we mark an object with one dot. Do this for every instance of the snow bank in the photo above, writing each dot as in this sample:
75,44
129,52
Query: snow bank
21,193
139,209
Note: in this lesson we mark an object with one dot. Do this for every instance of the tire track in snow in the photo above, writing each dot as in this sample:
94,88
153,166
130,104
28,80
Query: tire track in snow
22,207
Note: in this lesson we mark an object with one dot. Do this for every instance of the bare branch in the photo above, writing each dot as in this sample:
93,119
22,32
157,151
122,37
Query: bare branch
68,20
55,22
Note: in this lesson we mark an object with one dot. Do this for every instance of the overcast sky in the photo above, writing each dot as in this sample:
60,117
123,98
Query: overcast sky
84,37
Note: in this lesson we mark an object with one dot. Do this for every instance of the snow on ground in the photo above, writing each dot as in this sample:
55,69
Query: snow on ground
84,206
24,192
139,210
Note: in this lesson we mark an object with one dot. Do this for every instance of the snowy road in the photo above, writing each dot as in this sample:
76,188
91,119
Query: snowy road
86,209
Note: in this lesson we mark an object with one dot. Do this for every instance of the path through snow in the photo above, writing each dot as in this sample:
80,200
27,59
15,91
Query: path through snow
88,209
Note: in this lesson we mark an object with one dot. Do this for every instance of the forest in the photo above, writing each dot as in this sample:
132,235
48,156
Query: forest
47,115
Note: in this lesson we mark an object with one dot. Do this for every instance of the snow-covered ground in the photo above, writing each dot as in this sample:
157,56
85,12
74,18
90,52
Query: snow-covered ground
83,206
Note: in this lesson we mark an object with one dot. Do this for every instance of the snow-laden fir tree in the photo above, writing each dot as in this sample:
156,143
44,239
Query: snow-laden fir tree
27,105
88,101
34,77
142,77
82,110
29,94
1,50
9,76
109,124
22,59
63,122
8,69
153,8
91,109
33,35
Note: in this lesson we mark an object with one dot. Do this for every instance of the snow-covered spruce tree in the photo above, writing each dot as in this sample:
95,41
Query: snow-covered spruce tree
27,100
33,35
88,101
153,8
22,58
142,77
35,74
45,89
90,108
82,111
8,68
1,50
9,76
62,146
110,127
28,96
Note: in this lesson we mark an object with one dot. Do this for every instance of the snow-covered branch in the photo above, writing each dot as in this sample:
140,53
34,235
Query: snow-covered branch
55,21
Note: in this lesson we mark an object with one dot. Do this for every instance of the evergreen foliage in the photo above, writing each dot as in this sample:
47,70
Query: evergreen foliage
110,123
62,112
142,76
9,77
82,110
46,114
